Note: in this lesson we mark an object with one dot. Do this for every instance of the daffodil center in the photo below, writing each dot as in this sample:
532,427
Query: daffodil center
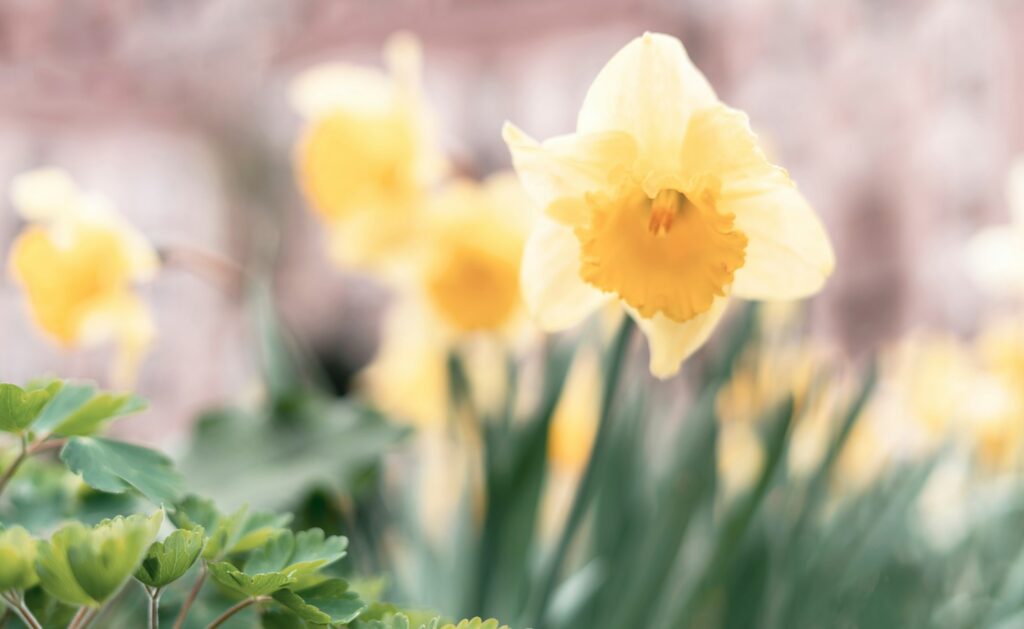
672,254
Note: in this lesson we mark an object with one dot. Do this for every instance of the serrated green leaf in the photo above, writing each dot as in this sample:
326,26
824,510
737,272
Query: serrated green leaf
238,532
18,551
169,560
474,623
299,553
19,408
83,566
389,621
329,602
114,467
263,584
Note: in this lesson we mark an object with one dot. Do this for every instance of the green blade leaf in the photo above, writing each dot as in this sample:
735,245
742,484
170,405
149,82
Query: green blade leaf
114,467
330,602
18,551
263,584
83,566
169,560
19,408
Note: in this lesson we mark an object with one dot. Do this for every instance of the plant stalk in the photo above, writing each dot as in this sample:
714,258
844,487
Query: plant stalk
234,609
586,488
179,622
154,606
18,607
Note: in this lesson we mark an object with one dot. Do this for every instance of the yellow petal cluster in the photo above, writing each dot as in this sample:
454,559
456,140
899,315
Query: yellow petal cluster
77,261
662,200
367,154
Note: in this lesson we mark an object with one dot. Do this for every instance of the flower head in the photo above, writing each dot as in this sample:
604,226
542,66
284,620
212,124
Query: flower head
77,261
367,152
995,255
663,200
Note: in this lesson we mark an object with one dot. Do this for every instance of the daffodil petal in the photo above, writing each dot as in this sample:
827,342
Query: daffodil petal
1015,191
995,260
329,87
671,342
564,168
720,142
44,194
649,89
554,293
788,254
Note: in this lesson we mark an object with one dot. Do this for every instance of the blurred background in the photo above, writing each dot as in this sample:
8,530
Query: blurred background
898,120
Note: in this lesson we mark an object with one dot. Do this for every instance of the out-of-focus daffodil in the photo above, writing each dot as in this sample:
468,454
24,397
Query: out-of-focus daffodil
368,153
995,414
663,200
474,247
575,421
995,255
77,261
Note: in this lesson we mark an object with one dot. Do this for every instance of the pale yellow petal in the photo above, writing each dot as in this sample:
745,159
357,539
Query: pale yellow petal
126,320
719,142
649,89
564,168
326,88
44,194
671,342
788,255
554,293
1015,191
995,260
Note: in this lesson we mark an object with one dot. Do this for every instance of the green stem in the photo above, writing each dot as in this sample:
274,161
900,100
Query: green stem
154,606
234,609
18,607
586,488
179,622
9,473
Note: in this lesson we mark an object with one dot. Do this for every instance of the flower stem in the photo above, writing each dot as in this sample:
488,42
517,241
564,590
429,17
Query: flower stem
585,489
234,609
18,607
9,473
179,622
154,606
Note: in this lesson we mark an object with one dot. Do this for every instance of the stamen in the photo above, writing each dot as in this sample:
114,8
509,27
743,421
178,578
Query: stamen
663,211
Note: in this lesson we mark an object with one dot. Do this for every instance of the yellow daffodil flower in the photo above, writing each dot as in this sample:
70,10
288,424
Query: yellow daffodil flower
663,200
77,261
473,250
367,154
995,255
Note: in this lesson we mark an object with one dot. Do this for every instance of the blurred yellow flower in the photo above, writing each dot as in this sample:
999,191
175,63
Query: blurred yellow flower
663,200
367,154
574,424
77,261
473,252
995,414
995,255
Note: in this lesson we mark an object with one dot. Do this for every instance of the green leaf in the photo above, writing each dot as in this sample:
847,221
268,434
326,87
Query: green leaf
239,532
262,584
299,553
330,602
169,560
475,623
83,566
18,551
79,410
114,467
19,408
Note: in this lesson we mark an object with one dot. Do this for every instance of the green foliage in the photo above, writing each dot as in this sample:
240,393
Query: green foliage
115,467
169,560
238,532
81,410
17,559
19,408
297,553
86,566
261,584
329,602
